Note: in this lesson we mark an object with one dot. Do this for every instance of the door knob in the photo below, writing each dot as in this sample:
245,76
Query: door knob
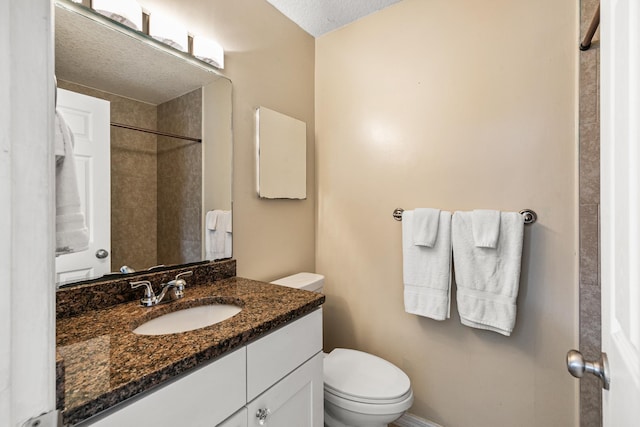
577,367
102,253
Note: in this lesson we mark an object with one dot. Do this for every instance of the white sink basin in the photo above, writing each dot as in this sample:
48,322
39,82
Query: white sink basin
188,319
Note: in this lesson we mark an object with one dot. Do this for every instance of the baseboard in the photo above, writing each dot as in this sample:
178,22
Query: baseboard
409,420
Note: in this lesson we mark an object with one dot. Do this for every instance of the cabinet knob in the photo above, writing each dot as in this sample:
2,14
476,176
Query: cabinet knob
262,415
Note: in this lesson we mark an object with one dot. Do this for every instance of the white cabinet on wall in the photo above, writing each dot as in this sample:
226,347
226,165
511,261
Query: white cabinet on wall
276,379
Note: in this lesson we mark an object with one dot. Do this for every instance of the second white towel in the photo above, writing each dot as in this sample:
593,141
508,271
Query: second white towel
488,279
427,270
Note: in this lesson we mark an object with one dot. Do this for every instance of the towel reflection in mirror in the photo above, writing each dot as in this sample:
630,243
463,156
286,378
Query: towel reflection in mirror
218,235
72,234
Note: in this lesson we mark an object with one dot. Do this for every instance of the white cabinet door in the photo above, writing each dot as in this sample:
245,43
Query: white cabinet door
272,357
297,400
88,118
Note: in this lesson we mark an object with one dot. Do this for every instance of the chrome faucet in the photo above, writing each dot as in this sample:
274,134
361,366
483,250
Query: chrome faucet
173,290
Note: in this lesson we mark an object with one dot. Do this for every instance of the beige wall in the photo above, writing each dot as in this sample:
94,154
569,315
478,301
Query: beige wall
456,105
271,63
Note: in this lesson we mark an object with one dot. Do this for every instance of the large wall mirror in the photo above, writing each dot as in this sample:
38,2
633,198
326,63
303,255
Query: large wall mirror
163,192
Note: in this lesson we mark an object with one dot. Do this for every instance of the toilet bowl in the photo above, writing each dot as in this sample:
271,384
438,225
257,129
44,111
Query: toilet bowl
360,389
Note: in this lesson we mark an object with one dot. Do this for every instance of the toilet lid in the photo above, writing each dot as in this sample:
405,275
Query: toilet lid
363,376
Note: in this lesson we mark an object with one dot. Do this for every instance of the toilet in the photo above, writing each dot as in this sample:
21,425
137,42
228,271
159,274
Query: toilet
360,389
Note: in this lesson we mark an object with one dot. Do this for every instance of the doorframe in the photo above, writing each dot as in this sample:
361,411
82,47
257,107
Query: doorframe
589,396
27,304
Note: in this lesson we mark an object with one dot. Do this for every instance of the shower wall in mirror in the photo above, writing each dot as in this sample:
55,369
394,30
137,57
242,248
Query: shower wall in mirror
161,187
180,180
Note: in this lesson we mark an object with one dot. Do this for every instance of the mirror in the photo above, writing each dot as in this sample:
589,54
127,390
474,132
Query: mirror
161,187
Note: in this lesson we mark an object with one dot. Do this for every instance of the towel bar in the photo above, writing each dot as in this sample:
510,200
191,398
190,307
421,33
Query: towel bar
529,215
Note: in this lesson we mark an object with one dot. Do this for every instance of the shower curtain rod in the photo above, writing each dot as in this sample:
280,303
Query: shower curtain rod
586,43
155,132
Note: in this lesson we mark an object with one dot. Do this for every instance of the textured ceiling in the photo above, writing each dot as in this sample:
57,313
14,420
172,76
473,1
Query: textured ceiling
318,17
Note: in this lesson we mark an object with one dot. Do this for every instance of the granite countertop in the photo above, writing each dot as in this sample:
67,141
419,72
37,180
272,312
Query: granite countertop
104,362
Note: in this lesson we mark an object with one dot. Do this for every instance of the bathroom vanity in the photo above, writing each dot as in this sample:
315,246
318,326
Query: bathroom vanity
259,367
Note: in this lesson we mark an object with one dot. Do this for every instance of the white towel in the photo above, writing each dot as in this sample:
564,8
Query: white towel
486,228
425,226
72,234
218,237
427,271
212,220
488,279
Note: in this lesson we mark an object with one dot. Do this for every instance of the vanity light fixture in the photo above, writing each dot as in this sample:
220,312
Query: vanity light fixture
159,25
164,29
126,12
209,51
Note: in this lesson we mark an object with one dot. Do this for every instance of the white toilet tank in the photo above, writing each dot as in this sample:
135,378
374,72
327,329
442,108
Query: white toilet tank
308,281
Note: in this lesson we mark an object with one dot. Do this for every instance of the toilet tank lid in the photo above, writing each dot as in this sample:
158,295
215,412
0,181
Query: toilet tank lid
306,281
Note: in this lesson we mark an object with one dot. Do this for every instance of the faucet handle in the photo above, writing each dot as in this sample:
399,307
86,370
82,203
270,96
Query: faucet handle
179,282
149,298
184,274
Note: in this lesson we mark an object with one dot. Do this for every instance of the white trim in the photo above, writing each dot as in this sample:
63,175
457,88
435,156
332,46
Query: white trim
410,420
27,306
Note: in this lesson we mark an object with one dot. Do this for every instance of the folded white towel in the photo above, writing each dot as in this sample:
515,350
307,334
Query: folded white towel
211,220
72,234
218,237
488,279
425,226
486,228
427,271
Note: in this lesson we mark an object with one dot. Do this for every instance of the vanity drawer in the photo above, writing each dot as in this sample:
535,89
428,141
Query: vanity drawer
274,356
204,397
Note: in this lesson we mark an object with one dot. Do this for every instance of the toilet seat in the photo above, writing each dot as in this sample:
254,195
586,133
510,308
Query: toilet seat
360,377
334,394
367,408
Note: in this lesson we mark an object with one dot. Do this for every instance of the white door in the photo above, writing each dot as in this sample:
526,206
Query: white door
620,188
89,118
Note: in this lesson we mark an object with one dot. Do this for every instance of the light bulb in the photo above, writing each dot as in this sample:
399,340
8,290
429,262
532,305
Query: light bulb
168,31
208,51
127,12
